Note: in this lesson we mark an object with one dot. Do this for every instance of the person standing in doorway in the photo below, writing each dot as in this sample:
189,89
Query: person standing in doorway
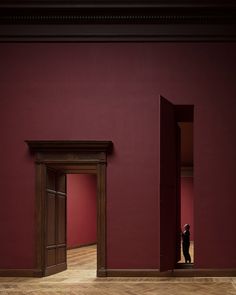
186,243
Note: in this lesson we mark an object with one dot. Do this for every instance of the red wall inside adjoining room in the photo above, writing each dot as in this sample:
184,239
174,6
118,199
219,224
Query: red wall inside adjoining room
110,91
187,204
81,209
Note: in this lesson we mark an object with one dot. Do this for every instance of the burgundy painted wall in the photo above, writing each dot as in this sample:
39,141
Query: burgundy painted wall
187,197
110,91
81,209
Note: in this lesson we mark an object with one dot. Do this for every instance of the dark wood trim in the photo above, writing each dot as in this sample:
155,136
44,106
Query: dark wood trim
69,146
59,155
114,20
101,272
55,269
181,265
101,219
40,183
133,273
20,273
174,273
201,272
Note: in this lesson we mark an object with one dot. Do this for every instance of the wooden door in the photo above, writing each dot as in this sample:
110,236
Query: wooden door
168,185
55,223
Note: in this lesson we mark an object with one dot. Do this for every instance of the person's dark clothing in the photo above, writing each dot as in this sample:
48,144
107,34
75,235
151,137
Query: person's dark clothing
186,244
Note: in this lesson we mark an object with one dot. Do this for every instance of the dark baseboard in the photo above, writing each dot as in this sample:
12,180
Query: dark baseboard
133,272
81,246
181,265
205,272
189,272
101,273
21,273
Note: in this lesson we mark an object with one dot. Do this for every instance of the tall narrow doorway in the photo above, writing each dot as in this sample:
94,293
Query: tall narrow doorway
187,181
82,222
171,182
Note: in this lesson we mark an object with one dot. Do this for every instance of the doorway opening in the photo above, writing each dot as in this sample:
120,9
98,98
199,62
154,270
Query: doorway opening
81,221
173,185
186,189
72,216
54,160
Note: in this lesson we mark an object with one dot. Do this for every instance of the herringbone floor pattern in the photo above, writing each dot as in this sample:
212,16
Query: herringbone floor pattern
80,279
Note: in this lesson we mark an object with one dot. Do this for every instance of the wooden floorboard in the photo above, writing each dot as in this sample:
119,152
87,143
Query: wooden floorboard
80,279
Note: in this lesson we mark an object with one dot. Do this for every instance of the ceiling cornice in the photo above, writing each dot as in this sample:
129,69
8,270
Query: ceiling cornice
110,20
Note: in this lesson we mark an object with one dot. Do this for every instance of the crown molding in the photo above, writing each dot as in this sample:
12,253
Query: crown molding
111,20
118,3
69,146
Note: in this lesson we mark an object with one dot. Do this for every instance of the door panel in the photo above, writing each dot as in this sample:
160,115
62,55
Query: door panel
168,185
51,257
55,222
61,219
51,180
61,183
51,219
61,254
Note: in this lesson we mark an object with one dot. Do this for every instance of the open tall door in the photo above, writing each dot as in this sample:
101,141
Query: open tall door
169,187
55,222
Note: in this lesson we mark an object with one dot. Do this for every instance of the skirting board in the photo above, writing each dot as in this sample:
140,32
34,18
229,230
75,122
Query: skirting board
174,273
228,272
20,273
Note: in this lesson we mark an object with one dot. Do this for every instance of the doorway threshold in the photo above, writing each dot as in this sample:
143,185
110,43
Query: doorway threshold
184,265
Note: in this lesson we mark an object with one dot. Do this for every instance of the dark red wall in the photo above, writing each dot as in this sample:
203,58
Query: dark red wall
111,91
187,196
81,209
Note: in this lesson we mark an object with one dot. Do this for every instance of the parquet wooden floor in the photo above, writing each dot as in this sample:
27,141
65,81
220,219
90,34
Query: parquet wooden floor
80,279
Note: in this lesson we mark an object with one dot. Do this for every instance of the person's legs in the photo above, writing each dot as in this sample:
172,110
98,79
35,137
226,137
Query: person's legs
186,254
189,258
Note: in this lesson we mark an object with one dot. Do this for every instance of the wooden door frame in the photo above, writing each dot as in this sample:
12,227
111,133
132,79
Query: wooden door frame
71,157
